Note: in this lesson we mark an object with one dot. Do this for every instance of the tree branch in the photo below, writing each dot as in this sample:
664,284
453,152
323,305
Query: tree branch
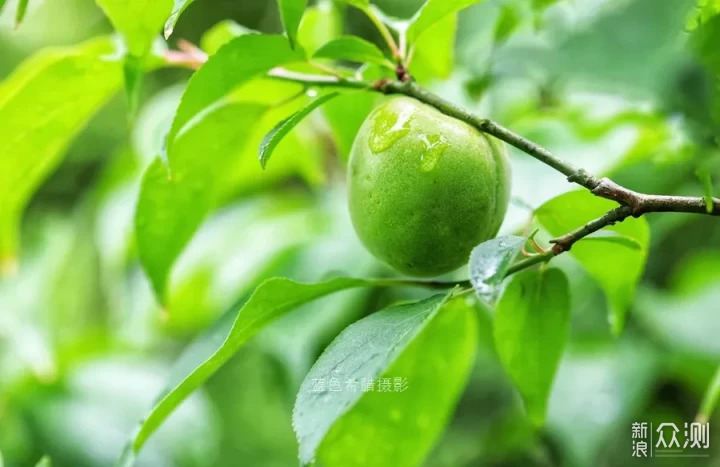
631,203
563,243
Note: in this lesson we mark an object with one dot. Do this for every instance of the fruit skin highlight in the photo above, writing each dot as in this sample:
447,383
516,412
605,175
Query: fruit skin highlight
425,188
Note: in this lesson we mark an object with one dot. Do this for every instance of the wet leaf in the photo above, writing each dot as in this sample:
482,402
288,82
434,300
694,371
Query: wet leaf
398,352
490,261
272,299
531,326
276,135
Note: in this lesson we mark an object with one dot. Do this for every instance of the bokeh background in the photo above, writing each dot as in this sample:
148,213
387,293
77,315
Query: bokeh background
615,86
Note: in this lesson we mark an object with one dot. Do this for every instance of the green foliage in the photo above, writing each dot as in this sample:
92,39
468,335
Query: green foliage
320,24
685,320
710,399
413,345
703,11
345,115
489,263
272,139
175,199
178,7
532,321
20,11
433,54
205,356
542,4
616,260
506,24
148,229
432,12
291,12
238,61
356,3
222,33
206,122
353,49
138,21
74,82
620,373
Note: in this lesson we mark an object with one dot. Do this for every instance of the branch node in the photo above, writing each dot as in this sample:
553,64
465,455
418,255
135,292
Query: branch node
402,73
581,177
381,85
559,247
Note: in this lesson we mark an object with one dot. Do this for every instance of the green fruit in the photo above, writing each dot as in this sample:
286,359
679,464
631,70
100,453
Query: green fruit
425,188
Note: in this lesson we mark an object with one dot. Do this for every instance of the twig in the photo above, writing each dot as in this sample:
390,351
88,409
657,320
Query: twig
372,14
563,243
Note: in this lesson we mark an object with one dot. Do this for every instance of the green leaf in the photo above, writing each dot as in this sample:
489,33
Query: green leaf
20,12
613,237
401,352
432,12
320,24
297,153
44,462
532,321
361,4
703,11
291,12
542,4
704,40
178,7
353,49
272,139
710,399
272,299
44,103
345,115
489,263
435,50
133,73
238,61
173,204
615,265
222,33
507,22
138,21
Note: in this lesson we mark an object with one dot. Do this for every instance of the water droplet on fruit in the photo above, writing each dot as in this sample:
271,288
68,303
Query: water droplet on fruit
435,146
388,129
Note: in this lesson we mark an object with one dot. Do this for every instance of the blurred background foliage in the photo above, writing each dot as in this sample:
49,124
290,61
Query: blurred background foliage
621,87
